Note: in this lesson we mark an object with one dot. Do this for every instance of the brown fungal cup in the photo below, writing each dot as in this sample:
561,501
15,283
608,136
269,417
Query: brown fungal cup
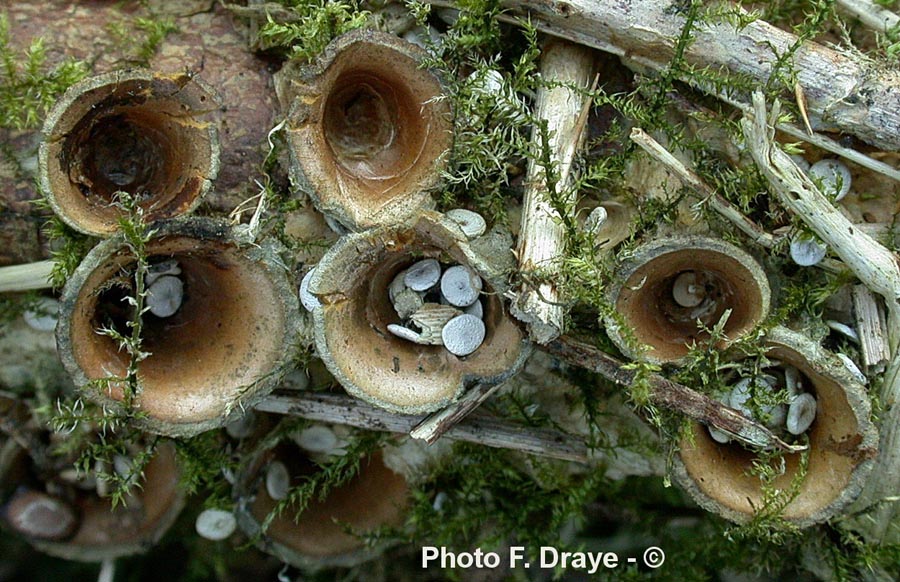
100,531
133,131
352,338
376,497
369,130
645,295
842,446
225,345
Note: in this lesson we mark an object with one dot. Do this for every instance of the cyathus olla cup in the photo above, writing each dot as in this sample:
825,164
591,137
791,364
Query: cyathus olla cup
220,328
135,131
352,283
74,522
842,445
369,131
667,286
327,533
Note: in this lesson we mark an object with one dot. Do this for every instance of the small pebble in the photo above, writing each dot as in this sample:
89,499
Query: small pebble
792,381
835,176
215,524
157,270
397,285
404,333
741,393
801,413
488,83
801,162
475,309
164,296
123,466
843,329
423,275
316,439
407,302
448,15
40,516
853,368
278,480
595,220
471,223
242,427
463,334
718,435
687,291
43,316
806,251
460,286
309,301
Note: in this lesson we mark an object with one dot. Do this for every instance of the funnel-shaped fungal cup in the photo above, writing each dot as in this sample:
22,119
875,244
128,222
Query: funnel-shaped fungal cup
218,340
355,318
376,497
133,131
100,532
842,446
369,131
669,290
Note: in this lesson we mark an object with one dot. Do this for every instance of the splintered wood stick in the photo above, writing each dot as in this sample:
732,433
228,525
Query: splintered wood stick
26,277
874,17
870,324
478,427
542,239
671,395
875,266
435,425
844,92
725,208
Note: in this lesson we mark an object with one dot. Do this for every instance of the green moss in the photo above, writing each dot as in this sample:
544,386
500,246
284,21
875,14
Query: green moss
28,85
312,24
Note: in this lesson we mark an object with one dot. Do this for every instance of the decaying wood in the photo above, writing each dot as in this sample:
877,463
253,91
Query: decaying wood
479,427
870,326
542,237
874,17
875,266
671,395
436,425
725,208
26,277
844,92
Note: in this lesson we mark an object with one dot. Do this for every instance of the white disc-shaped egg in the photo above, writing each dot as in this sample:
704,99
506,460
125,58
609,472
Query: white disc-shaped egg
471,223
215,524
278,480
164,296
309,301
806,251
460,286
423,275
463,334
835,176
801,413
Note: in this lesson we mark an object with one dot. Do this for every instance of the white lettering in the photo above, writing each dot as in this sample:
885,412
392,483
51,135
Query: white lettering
548,553
428,553
516,554
491,560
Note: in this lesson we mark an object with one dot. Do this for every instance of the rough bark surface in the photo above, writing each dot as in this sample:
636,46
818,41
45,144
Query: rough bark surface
209,42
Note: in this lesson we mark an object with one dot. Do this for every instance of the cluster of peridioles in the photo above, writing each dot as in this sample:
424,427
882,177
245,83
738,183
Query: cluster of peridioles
672,292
